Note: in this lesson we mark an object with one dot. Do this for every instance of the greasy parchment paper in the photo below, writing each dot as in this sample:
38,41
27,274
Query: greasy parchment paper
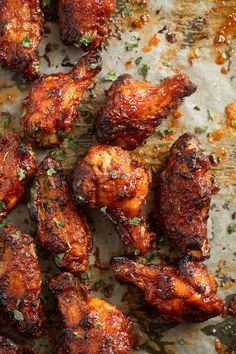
194,23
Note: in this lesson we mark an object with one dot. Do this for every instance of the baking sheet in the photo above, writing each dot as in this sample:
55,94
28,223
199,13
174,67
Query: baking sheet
195,25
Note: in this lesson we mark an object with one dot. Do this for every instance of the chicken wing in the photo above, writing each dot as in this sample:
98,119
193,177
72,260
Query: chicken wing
20,282
8,347
134,109
183,197
186,292
85,22
52,105
109,179
62,229
91,325
20,33
17,164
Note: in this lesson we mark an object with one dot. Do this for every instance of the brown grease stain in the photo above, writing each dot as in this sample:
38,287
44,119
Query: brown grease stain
8,92
153,42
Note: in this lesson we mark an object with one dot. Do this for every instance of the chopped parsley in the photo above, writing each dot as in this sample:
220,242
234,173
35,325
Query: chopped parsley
202,129
168,130
136,252
46,3
122,176
26,42
197,108
94,65
33,192
59,223
121,126
133,43
51,172
36,68
67,299
86,40
138,61
113,174
83,108
143,71
18,315
231,228
58,155
104,209
210,115
96,324
126,11
110,76
6,121
21,174
2,206
59,257
135,221
81,198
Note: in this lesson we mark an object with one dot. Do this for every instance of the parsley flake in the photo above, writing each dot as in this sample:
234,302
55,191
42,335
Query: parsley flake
21,174
86,40
143,71
133,43
110,76
135,221
59,223
26,42
231,228
18,315
51,172
200,130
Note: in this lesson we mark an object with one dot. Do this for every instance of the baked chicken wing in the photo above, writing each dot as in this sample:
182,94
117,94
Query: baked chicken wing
183,197
17,164
8,347
20,282
186,292
52,105
62,229
20,33
133,109
109,179
84,22
92,325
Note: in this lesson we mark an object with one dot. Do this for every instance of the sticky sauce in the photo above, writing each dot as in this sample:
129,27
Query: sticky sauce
153,42
8,92
230,111
192,56
216,135
227,31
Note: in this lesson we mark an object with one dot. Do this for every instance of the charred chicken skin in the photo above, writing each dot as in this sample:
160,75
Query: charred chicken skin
183,198
20,33
62,229
8,347
91,325
109,179
186,292
133,109
52,105
85,22
20,282
17,164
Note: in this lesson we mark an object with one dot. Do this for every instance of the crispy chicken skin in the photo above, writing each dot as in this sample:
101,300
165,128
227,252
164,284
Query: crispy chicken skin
85,22
8,347
133,109
183,198
182,293
17,164
62,229
52,105
91,325
109,179
20,282
20,33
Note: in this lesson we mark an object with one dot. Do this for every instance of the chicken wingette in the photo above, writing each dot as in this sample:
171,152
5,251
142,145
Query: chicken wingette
182,293
62,228
85,22
109,179
92,325
20,282
21,24
52,105
133,109
8,347
17,164
183,197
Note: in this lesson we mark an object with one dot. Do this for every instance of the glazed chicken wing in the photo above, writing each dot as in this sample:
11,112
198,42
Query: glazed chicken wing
109,179
133,109
62,229
92,325
20,33
52,105
85,22
179,293
20,282
8,347
17,164
183,197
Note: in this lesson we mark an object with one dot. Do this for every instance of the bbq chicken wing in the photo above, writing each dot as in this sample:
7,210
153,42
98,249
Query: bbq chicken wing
62,229
8,347
109,179
183,198
17,164
52,105
92,325
133,109
20,33
179,293
85,22
20,282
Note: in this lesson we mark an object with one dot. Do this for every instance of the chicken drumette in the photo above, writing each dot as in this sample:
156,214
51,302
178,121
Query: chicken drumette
20,33
84,22
20,282
133,109
186,292
109,179
92,325
62,229
183,197
52,105
17,164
